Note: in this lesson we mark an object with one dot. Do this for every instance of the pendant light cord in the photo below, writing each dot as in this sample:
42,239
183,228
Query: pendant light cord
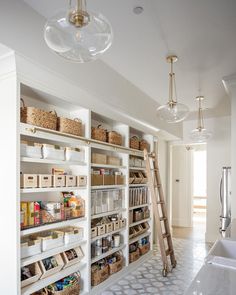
172,86
200,115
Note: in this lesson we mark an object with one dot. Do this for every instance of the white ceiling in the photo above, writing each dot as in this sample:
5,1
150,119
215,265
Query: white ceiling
200,32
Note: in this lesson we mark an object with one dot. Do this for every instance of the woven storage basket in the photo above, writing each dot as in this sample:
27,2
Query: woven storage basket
134,256
114,137
144,249
69,126
134,143
99,133
98,276
143,144
38,117
117,266
71,290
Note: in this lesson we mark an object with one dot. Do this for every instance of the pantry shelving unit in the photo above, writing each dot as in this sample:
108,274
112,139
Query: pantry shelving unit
42,89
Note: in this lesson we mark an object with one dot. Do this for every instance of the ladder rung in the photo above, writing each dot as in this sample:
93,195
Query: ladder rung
157,185
160,202
163,218
169,252
165,235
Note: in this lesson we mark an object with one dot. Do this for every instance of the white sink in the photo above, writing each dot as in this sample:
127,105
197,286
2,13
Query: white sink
223,254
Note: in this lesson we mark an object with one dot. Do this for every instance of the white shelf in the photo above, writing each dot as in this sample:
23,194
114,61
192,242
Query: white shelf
51,189
107,234
50,226
139,206
107,166
43,255
48,161
131,241
140,221
52,279
96,187
137,168
138,185
107,254
107,213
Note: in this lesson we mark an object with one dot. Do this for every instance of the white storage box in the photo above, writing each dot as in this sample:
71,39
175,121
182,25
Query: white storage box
81,180
44,180
51,239
30,246
28,180
36,274
46,273
53,152
72,234
31,150
70,180
58,180
74,154
72,256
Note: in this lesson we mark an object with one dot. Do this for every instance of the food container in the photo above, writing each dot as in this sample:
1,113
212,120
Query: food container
72,256
70,180
69,126
96,179
114,137
35,272
74,154
101,229
58,180
48,271
53,152
94,232
30,246
99,133
115,161
44,180
30,149
72,234
50,239
99,158
38,117
30,212
24,214
28,181
54,211
81,180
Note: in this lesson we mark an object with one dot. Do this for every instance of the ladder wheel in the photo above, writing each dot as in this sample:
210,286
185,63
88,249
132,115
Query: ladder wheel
164,272
174,264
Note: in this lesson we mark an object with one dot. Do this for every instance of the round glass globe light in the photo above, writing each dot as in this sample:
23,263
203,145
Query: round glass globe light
200,135
78,44
173,113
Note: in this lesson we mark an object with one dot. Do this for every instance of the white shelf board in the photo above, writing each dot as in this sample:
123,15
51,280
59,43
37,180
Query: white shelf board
139,237
107,234
51,279
139,206
51,189
50,226
107,166
46,254
140,221
137,168
138,185
107,213
107,254
96,187
48,161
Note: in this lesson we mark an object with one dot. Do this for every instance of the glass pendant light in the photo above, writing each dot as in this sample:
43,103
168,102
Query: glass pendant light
200,134
78,35
173,111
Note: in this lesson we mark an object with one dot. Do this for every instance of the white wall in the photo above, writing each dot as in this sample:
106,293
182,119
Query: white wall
218,155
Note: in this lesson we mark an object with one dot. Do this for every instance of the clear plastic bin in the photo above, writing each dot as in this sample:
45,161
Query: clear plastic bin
53,153
74,155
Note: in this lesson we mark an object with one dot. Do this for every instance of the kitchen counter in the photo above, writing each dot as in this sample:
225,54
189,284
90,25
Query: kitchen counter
215,280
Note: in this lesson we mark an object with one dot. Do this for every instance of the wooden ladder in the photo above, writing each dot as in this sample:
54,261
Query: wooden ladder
160,212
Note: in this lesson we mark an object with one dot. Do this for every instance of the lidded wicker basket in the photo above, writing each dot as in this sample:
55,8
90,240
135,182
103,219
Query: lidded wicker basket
114,137
99,133
69,126
134,142
143,145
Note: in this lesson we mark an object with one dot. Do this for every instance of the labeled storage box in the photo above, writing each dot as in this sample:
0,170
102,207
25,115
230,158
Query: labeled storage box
99,158
30,246
116,225
30,150
81,180
94,232
101,229
99,275
44,180
69,126
72,256
48,270
115,161
34,270
53,152
122,223
29,181
70,180
96,179
74,154
72,234
58,180
51,239
109,227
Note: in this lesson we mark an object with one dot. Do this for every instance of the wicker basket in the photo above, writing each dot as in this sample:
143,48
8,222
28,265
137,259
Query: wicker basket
41,292
143,144
69,126
71,290
99,133
38,117
134,256
114,137
98,276
134,143
144,249
117,266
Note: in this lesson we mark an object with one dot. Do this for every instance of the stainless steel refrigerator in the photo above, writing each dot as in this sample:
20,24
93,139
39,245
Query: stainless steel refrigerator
225,199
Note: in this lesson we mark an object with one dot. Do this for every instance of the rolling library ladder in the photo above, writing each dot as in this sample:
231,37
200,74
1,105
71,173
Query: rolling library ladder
160,212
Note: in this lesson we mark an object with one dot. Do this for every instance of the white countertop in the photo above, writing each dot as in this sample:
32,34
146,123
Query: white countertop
215,280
